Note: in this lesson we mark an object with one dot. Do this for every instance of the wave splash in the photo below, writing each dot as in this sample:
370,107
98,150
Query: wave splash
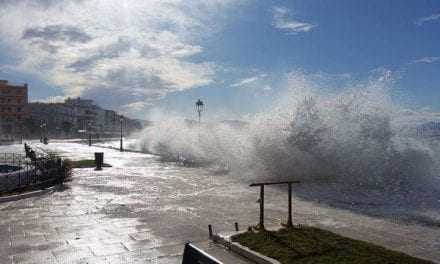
356,137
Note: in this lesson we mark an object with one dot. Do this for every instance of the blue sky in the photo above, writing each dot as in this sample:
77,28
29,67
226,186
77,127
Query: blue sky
232,54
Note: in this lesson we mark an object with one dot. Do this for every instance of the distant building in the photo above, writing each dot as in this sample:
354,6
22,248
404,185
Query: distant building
13,105
85,111
76,117
57,117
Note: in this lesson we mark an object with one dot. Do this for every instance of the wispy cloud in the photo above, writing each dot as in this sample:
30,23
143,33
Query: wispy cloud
282,21
429,18
427,60
136,51
245,81
248,81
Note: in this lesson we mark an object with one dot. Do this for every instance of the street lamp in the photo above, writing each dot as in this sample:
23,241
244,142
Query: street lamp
121,147
90,133
199,108
43,132
21,132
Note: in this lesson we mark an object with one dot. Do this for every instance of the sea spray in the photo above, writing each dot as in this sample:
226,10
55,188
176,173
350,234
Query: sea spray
354,137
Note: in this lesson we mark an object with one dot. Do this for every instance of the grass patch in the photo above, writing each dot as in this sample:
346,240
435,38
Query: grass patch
313,245
86,163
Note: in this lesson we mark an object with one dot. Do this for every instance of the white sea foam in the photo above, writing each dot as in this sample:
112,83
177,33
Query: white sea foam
354,136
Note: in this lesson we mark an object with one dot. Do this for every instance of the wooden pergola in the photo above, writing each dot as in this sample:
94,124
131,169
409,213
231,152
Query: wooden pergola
262,184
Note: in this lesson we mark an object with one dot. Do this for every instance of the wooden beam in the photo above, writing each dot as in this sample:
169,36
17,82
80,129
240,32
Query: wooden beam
272,183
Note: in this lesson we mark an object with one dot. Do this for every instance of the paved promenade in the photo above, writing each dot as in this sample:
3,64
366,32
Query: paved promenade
142,211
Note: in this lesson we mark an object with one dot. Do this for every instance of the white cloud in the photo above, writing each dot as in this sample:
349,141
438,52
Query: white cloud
429,18
282,21
249,80
132,50
427,60
134,108
245,81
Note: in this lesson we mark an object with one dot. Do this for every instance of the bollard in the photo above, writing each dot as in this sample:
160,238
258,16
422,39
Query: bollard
236,226
289,217
210,230
261,225
99,160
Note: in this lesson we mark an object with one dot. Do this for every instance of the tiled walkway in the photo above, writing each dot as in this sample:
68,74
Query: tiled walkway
143,211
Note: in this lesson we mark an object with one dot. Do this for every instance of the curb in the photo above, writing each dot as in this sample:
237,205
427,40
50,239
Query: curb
242,250
125,150
21,196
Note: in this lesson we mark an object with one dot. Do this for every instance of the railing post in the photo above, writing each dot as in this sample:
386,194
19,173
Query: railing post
262,207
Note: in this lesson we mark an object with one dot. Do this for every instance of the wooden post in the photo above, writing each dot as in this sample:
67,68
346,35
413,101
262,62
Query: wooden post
261,184
236,226
262,206
289,219
210,230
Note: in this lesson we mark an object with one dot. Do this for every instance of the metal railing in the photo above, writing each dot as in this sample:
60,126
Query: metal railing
28,172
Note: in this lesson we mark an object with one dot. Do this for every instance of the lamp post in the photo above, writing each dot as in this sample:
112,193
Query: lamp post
199,108
43,132
21,132
90,133
121,147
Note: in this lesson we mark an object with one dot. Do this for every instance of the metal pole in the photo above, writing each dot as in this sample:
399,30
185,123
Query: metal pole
289,219
210,230
121,147
200,118
262,207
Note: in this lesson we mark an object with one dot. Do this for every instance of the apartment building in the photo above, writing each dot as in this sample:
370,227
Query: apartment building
13,108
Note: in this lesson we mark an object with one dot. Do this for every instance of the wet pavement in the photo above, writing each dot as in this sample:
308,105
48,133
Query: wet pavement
143,210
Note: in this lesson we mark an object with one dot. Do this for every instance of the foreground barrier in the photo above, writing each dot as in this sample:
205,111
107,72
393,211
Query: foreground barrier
193,255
